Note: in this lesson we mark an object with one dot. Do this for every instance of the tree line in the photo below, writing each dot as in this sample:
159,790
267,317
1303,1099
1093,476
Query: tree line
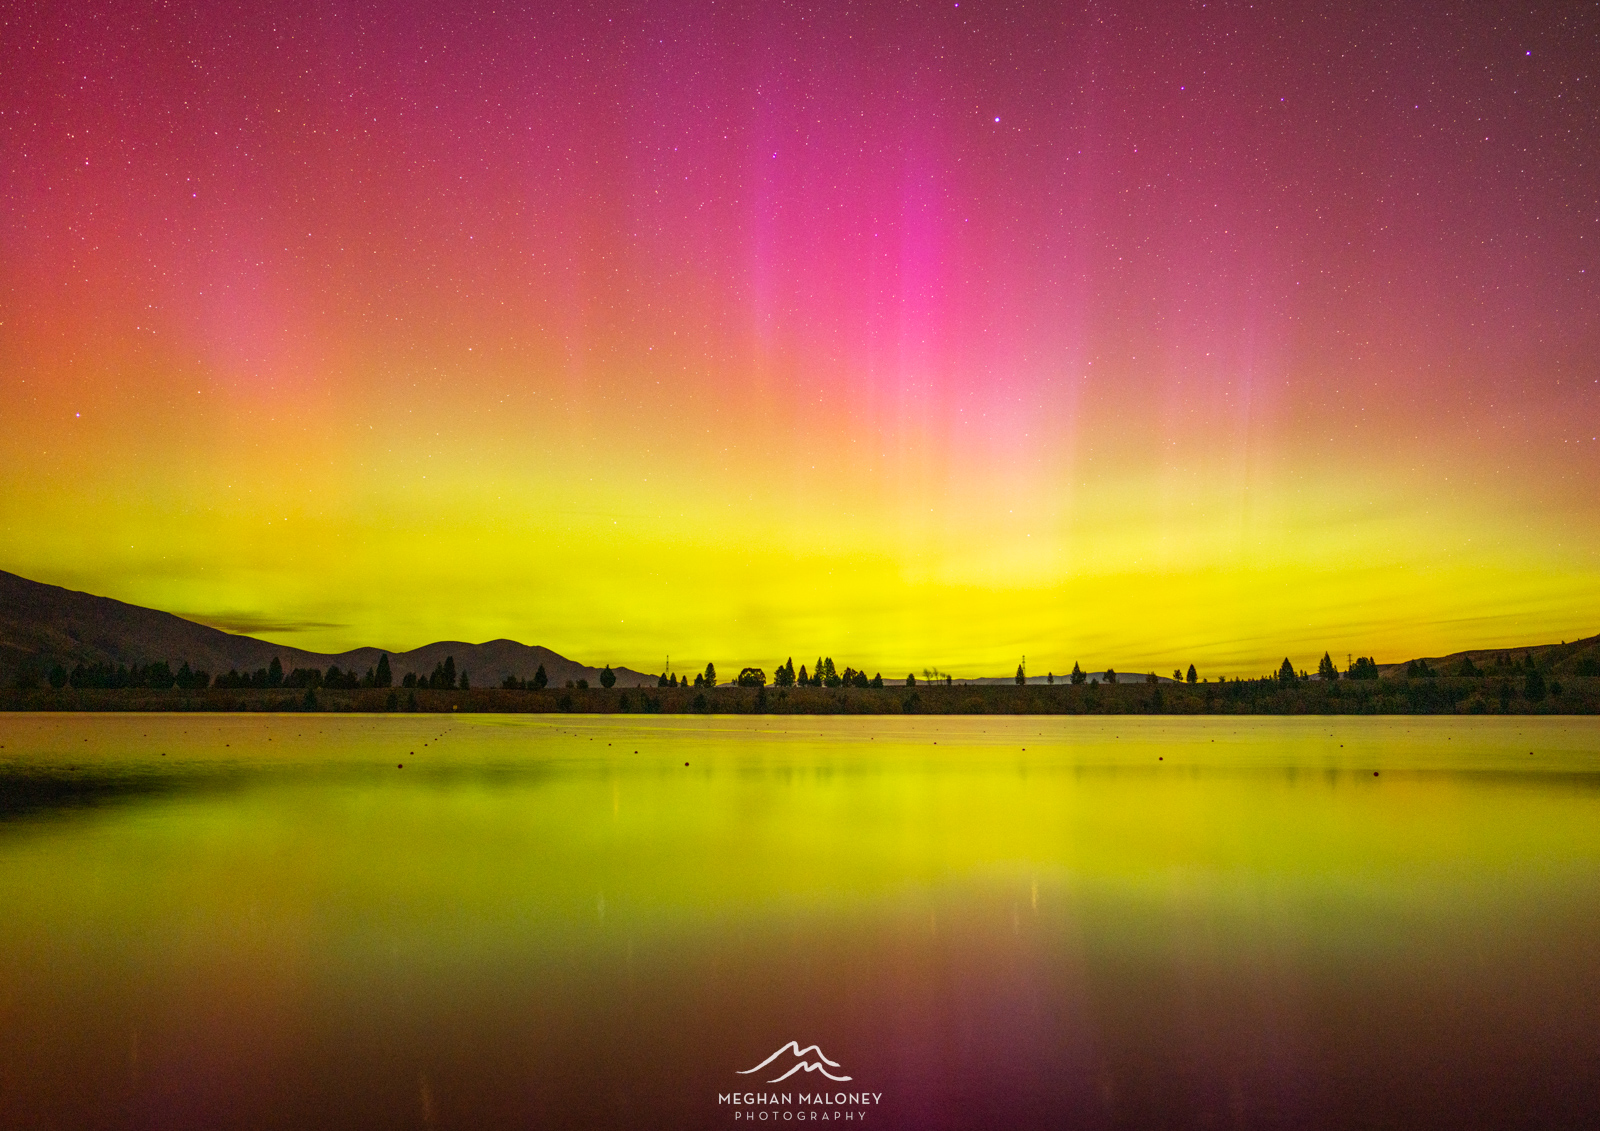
158,675
442,678
824,673
310,679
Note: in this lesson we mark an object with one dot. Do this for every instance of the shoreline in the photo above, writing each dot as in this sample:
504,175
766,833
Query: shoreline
1435,696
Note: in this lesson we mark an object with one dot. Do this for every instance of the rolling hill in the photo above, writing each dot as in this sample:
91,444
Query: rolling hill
44,625
1576,657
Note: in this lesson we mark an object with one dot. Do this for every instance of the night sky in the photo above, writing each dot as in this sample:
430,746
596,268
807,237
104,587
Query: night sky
911,334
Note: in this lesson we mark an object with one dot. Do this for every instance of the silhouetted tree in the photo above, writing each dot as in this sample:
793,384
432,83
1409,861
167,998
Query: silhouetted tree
752,677
540,680
1466,667
830,675
1021,676
1111,675
1286,673
1364,667
877,679
444,675
662,682
1151,679
510,683
384,678
1326,669
911,679
1193,676
1078,676
193,680
410,680
711,675
784,676
816,673
275,673
804,680
464,684
608,678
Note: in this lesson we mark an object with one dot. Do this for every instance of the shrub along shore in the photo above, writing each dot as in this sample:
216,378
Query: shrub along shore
1440,695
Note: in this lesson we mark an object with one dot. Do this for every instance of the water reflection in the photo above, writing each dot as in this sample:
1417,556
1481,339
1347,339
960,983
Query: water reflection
365,922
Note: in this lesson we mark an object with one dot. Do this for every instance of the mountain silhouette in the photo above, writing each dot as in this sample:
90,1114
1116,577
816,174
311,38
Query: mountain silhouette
800,1063
44,625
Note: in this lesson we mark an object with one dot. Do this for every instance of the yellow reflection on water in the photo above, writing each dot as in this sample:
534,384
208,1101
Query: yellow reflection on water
236,905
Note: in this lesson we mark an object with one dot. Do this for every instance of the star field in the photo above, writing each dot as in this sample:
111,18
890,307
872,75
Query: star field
921,333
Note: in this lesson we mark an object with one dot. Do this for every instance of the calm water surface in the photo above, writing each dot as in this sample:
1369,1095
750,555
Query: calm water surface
546,921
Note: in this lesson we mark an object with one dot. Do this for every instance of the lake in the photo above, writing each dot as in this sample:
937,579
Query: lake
353,921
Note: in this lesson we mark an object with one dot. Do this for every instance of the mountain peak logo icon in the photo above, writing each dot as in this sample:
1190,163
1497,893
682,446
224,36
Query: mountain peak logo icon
800,1055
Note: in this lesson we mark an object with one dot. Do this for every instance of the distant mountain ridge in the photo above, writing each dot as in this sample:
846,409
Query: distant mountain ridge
44,625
